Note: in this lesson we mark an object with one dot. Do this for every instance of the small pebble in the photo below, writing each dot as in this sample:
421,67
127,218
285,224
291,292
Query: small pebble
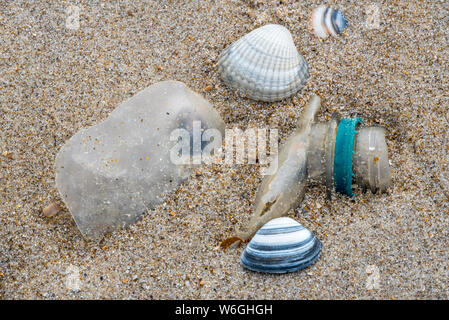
51,210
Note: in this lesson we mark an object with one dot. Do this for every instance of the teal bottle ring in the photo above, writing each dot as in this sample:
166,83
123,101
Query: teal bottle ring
344,146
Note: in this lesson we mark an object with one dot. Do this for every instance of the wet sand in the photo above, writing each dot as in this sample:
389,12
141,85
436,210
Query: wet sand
55,81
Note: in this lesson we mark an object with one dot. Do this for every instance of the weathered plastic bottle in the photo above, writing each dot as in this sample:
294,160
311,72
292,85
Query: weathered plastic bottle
338,152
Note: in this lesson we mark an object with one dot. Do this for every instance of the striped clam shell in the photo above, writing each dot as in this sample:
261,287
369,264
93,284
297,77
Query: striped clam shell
264,64
327,21
281,245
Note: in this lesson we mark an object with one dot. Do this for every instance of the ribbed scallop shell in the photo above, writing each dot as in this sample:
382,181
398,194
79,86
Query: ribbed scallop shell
325,21
281,245
264,64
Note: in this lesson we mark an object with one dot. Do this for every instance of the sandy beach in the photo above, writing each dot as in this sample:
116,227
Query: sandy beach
56,79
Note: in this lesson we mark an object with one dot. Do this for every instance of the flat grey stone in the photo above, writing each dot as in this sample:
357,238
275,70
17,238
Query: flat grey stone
110,174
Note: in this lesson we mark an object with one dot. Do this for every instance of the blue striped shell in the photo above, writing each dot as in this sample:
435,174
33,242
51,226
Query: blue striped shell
281,245
327,21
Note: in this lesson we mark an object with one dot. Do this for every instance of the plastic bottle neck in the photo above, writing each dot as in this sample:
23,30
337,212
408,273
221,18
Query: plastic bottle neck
362,160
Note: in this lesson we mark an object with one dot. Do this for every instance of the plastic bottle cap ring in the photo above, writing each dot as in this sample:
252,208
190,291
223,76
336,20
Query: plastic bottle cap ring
344,146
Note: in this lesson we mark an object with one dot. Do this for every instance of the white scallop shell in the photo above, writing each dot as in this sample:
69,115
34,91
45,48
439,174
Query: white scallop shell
264,64
327,21
281,245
